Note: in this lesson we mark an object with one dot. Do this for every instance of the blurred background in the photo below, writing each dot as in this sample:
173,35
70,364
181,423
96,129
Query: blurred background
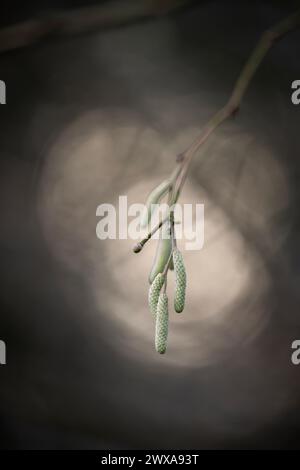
101,97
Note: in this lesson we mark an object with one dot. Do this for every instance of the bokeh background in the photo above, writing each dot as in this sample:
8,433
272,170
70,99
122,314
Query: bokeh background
101,110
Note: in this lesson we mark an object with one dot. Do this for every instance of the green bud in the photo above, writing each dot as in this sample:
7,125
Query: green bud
163,252
154,197
154,292
180,277
162,324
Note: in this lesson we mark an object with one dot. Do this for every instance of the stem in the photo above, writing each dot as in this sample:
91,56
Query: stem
174,244
174,177
167,265
139,246
267,40
165,284
84,19
172,234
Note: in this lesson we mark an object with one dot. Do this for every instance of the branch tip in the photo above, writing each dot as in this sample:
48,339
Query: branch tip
138,247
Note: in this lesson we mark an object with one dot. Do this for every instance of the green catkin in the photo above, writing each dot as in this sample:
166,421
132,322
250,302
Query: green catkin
180,276
162,324
163,252
154,197
154,292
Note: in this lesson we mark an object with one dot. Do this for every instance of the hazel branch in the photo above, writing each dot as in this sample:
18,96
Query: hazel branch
268,38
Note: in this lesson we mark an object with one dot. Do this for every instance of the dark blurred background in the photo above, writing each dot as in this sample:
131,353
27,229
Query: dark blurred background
101,96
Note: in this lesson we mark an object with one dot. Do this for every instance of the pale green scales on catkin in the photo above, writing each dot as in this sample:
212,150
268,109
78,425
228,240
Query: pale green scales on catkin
162,324
180,276
154,292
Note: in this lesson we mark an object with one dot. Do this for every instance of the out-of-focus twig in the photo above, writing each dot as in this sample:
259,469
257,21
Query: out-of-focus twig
85,19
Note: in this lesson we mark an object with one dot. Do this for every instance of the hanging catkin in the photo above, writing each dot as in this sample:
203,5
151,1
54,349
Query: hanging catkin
180,276
162,324
154,292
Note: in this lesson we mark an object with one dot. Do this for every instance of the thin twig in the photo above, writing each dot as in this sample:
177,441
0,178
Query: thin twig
268,38
139,246
82,20
172,235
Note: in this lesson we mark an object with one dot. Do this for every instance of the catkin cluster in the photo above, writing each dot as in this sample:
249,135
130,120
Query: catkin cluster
167,257
158,300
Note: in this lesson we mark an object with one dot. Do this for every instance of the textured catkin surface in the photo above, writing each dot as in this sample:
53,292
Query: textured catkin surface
180,276
162,324
154,292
